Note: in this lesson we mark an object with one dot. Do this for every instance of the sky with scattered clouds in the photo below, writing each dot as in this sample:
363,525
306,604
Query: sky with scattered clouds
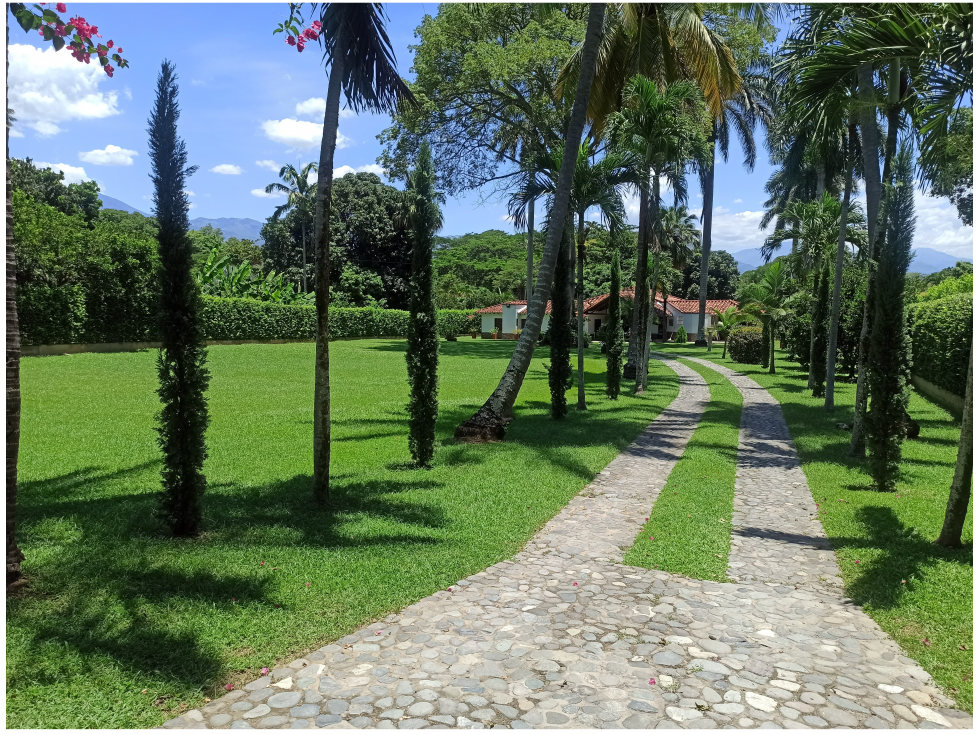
249,104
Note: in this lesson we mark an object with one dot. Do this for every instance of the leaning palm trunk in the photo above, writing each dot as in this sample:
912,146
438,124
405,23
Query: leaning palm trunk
581,311
489,422
834,319
705,248
638,301
871,168
324,195
530,249
814,326
14,554
958,498
641,381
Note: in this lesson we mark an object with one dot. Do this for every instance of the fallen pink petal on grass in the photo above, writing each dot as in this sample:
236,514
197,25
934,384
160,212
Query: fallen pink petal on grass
265,671
229,687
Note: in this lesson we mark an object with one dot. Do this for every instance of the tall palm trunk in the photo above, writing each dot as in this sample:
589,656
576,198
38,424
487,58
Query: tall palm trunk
961,491
14,553
581,311
834,319
643,373
706,244
324,196
858,439
530,249
771,337
871,168
639,298
490,420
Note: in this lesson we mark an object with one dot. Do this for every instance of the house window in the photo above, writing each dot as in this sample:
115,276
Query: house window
598,325
523,323
498,323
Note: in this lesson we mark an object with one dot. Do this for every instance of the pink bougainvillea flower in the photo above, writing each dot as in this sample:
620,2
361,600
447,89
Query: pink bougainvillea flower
652,681
307,583
856,561
261,563
926,642
575,583
377,632
316,25
62,8
110,44
229,687
291,40
265,671
109,70
647,519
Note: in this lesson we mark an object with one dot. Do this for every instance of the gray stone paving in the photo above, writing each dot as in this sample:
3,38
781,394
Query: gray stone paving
565,636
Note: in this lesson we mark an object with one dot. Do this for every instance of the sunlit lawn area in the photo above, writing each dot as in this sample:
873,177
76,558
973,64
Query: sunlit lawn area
689,527
915,590
113,607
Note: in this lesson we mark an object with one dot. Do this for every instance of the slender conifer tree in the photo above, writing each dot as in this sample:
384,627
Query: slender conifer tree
423,341
181,362
888,360
616,337
560,330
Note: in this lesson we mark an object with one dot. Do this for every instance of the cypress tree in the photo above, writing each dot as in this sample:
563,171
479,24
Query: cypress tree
888,359
560,376
181,362
616,337
820,326
423,343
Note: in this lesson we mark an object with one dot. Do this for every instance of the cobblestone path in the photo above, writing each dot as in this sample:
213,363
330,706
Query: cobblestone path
565,636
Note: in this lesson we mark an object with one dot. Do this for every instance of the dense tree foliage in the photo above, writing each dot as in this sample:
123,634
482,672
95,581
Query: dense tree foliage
722,277
560,331
48,187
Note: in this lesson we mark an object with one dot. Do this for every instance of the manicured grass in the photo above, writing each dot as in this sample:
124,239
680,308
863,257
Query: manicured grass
912,588
689,527
113,607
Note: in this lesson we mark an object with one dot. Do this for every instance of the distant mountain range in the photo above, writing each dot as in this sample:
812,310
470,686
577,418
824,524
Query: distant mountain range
243,229
926,260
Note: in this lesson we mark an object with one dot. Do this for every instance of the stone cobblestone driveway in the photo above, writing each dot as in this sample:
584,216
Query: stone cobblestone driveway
565,636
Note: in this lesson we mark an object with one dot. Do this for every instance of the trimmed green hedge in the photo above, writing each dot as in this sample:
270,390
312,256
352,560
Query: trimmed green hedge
58,316
745,345
941,337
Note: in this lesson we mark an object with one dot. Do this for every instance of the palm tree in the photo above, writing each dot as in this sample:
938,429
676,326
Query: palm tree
961,490
301,198
766,300
726,321
361,62
598,185
742,111
490,420
665,130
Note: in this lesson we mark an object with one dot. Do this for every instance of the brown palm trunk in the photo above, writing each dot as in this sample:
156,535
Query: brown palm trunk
817,276
834,321
14,554
530,249
650,316
705,246
638,298
771,336
961,491
490,420
324,194
581,311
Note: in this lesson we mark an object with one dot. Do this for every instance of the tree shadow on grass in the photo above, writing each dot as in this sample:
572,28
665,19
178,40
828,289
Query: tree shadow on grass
904,555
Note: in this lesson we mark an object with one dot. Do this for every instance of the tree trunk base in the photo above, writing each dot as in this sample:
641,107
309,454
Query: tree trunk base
629,371
700,343
484,427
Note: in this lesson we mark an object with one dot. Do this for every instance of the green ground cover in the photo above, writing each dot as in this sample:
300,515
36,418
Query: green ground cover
113,607
918,593
689,527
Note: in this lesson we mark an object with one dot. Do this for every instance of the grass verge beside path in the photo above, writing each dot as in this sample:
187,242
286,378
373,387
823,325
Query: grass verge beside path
121,627
689,527
919,593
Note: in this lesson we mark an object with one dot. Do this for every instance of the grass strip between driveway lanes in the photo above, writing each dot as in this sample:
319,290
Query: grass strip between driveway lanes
689,526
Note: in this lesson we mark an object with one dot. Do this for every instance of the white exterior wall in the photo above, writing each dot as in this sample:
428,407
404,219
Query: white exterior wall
509,319
488,322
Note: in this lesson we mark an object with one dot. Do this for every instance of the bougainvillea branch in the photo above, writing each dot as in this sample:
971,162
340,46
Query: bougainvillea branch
77,34
298,36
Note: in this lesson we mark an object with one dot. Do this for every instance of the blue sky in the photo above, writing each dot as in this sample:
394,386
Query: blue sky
249,105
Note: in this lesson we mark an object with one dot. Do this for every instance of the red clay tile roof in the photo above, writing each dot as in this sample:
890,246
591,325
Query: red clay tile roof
684,305
498,308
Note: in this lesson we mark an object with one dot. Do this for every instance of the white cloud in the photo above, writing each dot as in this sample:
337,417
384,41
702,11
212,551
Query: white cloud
270,165
73,174
16,133
737,201
312,107
189,193
197,82
299,134
260,193
111,155
46,87
346,114
128,92
344,170
228,169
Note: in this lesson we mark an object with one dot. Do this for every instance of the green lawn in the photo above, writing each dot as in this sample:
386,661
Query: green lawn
113,607
912,588
697,500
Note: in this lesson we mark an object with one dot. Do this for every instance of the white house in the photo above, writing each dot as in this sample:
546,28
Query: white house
506,318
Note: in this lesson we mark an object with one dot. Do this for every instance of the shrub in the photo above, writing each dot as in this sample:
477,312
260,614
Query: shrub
746,345
941,337
798,327
681,336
